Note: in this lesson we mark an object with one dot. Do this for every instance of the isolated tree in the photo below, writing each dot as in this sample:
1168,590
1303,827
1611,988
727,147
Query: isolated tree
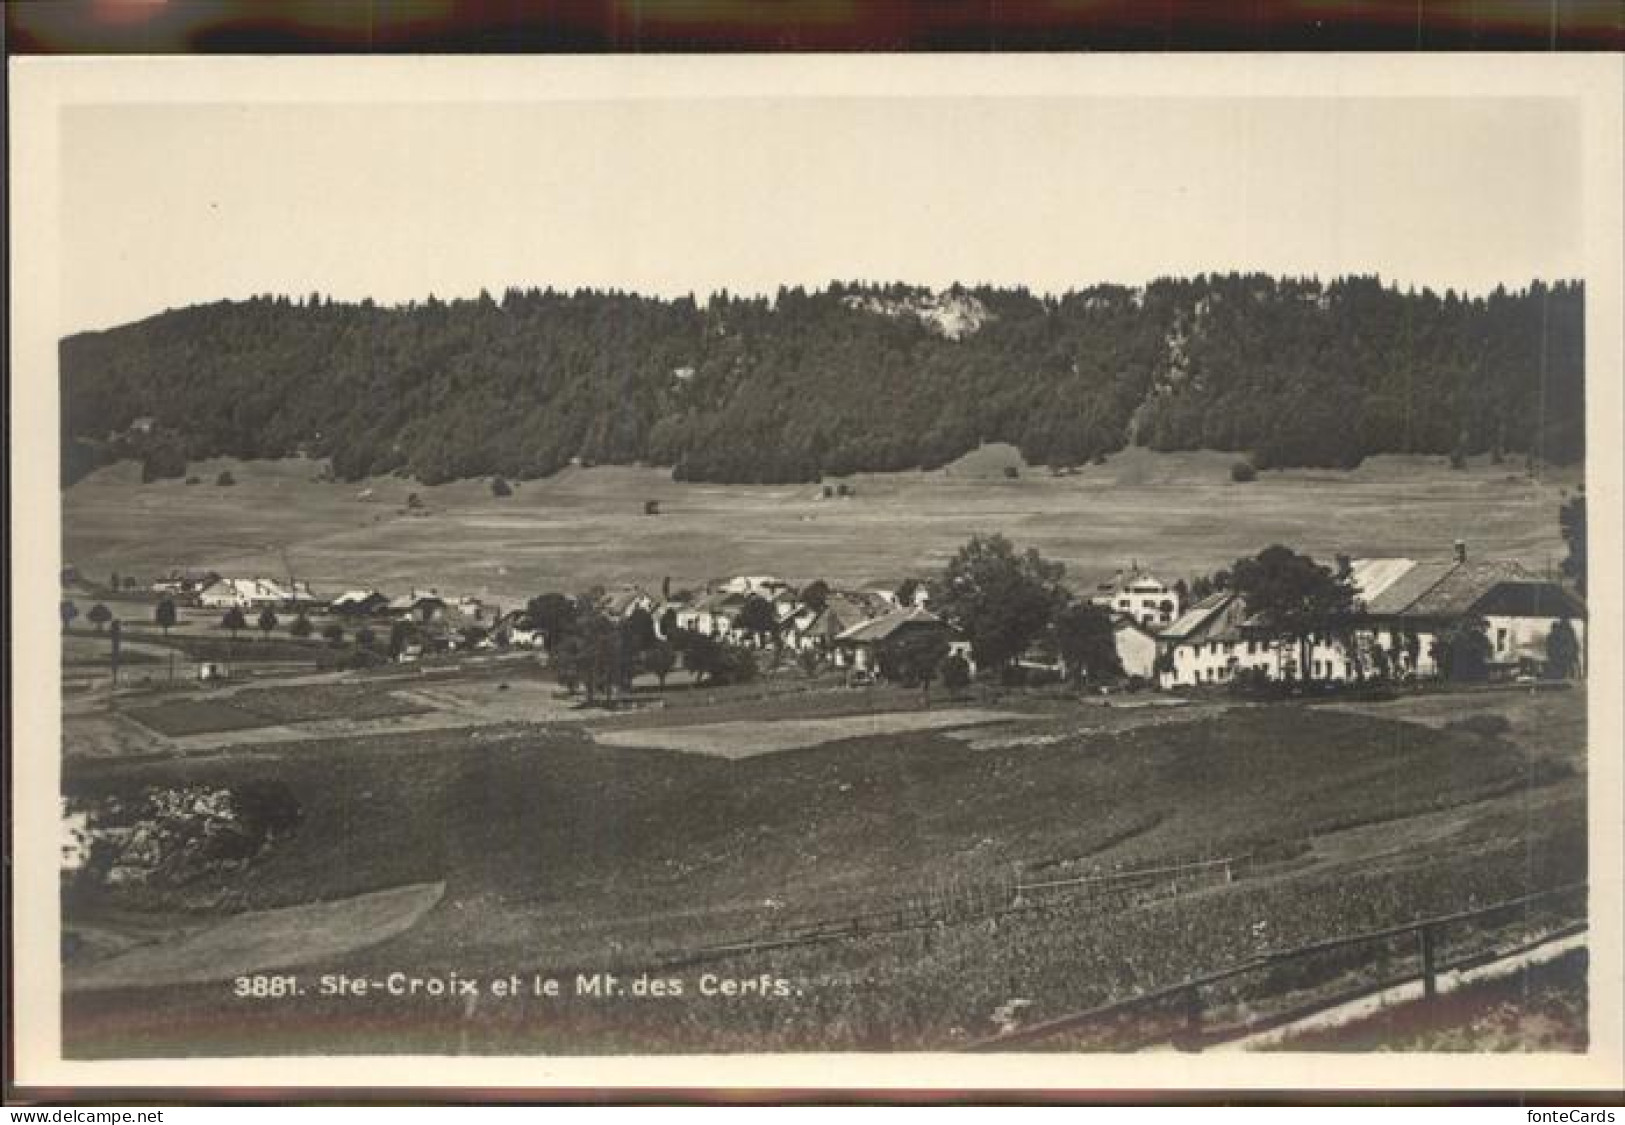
913,658
401,634
1462,651
116,583
1000,599
1087,643
639,628
603,654
1294,597
300,627
659,659
99,616
1571,520
702,656
268,621
234,621
567,663
69,612
1562,650
164,615
554,614
756,617
500,487
333,634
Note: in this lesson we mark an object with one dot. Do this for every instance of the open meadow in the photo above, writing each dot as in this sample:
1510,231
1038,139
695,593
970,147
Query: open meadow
1178,514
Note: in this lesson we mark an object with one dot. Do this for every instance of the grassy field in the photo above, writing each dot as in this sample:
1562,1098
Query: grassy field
560,852
1177,513
270,706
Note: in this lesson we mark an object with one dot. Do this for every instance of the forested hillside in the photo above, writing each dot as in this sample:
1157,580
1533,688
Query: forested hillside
855,377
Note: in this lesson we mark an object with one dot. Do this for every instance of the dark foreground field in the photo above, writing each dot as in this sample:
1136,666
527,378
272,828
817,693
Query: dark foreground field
906,891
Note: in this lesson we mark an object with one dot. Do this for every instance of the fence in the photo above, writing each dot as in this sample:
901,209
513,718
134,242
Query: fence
1193,1013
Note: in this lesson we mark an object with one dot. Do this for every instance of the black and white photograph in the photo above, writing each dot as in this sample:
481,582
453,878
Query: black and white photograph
1104,565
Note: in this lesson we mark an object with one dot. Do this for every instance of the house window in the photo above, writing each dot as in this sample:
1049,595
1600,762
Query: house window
1500,640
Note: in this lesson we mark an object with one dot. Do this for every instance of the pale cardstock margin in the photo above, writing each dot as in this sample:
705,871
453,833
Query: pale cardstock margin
42,87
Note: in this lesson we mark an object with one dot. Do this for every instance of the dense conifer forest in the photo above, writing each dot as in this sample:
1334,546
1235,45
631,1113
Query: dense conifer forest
1289,371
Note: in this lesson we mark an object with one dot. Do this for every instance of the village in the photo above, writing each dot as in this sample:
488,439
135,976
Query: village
1387,621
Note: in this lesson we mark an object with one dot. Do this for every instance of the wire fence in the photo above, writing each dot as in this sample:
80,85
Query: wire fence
1278,988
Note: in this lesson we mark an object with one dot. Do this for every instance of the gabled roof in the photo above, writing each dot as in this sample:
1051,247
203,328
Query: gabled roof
1401,593
1444,589
617,603
1464,586
414,599
723,602
1370,577
1200,618
880,628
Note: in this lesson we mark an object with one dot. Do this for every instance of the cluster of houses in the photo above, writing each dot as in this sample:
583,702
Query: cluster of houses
1402,607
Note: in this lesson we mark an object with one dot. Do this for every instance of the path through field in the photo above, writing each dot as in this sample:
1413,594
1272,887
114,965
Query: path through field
312,934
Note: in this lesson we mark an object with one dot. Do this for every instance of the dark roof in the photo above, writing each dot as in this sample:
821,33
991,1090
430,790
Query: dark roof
880,628
1536,598
1464,587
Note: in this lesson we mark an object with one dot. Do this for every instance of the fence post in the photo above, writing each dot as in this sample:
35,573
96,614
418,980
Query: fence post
1193,1014
1425,940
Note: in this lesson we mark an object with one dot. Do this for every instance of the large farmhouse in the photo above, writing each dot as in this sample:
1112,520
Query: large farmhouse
1402,608
244,593
1405,614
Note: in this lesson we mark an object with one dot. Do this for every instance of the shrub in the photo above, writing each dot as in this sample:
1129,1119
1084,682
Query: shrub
225,479
1243,471
1011,472
500,487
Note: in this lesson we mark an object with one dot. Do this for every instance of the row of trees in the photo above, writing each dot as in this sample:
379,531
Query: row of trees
805,384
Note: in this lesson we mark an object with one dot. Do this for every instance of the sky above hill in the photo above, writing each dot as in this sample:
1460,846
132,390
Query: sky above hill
169,205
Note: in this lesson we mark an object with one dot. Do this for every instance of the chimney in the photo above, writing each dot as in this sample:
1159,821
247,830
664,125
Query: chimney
1345,566
1461,551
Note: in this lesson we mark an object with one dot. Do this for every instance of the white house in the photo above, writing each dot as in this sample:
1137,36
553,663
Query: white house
243,593
1140,595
